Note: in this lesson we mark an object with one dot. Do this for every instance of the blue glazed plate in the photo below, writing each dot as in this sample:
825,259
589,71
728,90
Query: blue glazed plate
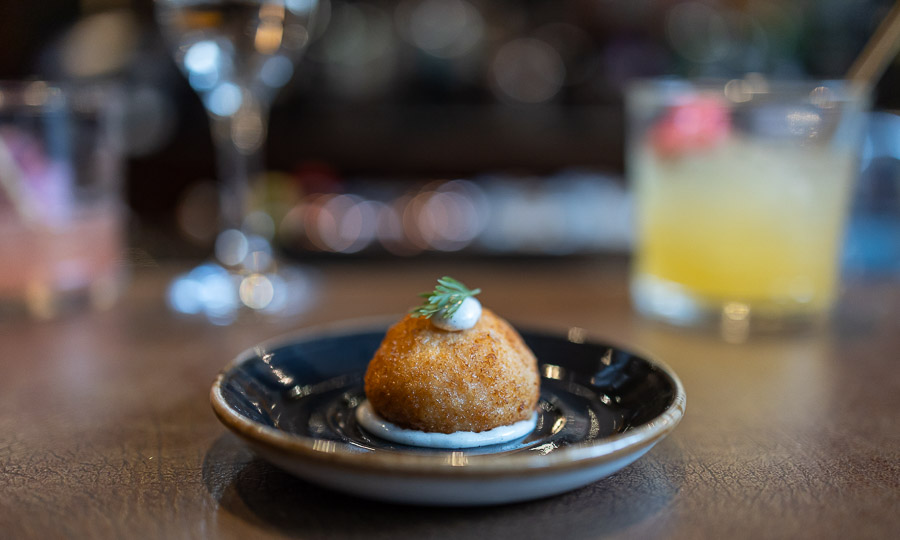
293,401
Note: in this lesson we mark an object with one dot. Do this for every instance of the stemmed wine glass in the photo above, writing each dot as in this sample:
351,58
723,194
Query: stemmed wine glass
236,54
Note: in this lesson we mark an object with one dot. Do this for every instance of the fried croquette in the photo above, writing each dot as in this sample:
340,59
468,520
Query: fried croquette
433,380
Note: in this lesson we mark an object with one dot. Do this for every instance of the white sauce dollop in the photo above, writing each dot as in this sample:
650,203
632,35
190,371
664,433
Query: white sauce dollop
378,426
465,317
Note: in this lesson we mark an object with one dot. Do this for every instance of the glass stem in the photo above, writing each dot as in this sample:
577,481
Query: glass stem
239,146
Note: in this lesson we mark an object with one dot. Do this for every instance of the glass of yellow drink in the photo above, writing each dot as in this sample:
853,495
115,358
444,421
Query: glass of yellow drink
741,190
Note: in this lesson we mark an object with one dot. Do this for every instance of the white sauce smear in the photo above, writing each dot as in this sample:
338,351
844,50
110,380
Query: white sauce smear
376,425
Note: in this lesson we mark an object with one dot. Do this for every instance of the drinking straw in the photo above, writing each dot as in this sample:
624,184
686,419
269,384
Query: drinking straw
12,181
878,53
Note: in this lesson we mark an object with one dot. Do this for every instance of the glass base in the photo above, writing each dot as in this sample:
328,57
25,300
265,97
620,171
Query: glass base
735,319
223,295
49,299
246,279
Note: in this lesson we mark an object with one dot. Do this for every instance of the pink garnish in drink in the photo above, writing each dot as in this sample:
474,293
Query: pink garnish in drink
34,185
699,124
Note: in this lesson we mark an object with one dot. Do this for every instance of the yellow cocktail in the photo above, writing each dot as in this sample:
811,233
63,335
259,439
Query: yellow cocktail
730,220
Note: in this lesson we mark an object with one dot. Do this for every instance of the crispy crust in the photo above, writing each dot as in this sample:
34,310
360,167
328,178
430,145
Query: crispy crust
429,379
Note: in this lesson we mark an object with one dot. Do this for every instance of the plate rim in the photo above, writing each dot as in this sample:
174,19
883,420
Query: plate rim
451,463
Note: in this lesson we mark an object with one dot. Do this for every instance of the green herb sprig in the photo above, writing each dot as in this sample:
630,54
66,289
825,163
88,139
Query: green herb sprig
447,296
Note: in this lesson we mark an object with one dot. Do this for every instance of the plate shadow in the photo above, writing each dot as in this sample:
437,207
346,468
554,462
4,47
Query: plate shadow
259,493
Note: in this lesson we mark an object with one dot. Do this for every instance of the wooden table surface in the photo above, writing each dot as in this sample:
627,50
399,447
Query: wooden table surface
106,430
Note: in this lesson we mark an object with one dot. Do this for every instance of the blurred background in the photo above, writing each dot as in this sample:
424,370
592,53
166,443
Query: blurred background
427,127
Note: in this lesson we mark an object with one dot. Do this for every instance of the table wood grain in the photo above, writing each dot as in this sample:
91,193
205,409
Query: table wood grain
106,429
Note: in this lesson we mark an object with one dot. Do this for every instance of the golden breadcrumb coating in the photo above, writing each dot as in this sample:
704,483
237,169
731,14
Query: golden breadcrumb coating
430,379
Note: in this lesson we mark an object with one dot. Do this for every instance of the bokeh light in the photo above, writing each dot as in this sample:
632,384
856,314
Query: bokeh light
527,70
441,28
573,211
